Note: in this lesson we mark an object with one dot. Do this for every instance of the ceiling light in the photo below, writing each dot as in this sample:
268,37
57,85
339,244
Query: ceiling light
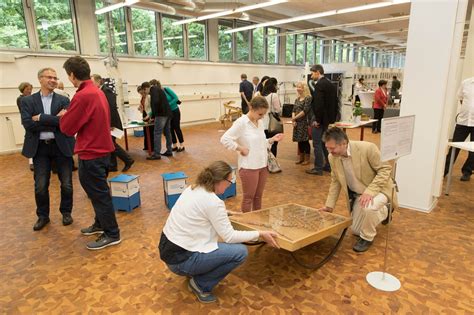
319,15
228,12
115,6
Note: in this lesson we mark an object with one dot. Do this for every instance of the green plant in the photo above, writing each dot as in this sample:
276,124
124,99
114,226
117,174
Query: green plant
357,111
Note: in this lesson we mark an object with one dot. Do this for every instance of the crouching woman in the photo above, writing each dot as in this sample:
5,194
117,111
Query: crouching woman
188,243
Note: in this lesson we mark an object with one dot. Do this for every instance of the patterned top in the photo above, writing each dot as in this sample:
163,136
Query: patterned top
300,130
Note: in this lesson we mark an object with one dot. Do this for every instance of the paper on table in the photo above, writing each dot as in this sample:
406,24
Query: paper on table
117,133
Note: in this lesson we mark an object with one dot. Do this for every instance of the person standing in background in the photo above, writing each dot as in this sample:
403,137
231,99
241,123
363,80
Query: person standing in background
246,92
270,93
60,90
379,105
394,90
300,122
25,90
89,118
175,125
255,81
145,108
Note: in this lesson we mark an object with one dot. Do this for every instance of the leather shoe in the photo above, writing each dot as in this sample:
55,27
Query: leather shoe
314,172
153,157
67,219
127,166
361,245
465,177
41,223
167,153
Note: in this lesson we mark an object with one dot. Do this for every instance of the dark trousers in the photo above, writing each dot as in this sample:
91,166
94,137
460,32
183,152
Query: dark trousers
460,134
274,147
304,147
93,178
152,138
320,152
42,161
245,107
176,127
378,114
120,153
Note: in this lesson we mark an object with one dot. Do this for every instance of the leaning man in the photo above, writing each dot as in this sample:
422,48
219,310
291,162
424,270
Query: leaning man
365,180
89,117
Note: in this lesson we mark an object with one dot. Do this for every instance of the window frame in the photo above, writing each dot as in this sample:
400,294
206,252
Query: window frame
183,31
132,39
206,42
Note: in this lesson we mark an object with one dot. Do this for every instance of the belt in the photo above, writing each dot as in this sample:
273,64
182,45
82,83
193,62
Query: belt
47,141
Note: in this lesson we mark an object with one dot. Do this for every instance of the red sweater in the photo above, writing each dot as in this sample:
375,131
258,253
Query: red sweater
88,115
380,99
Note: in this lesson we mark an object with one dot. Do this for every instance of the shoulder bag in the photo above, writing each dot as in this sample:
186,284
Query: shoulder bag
275,125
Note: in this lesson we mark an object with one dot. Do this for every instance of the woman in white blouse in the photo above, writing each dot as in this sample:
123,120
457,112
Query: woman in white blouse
271,95
247,137
188,243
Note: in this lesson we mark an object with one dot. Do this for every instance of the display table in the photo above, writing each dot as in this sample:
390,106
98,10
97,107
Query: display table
297,226
350,125
468,146
136,125
366,99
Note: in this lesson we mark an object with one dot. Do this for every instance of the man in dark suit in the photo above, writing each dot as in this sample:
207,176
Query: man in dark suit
46,144
325,109
115,122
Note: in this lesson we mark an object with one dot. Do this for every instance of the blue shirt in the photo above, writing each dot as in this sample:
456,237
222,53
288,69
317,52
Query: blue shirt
46,100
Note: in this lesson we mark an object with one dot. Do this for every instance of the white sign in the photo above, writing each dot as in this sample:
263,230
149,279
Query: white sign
396,137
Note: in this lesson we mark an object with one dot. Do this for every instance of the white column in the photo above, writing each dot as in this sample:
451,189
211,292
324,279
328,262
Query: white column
433,47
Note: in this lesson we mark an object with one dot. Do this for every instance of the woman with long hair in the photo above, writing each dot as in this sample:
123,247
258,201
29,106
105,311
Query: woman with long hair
270,93
300,122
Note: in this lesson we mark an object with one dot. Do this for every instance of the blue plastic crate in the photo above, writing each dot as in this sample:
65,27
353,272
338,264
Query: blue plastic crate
138,133
170,200
126,203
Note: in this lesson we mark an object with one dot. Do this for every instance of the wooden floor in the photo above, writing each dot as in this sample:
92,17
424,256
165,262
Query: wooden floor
52,272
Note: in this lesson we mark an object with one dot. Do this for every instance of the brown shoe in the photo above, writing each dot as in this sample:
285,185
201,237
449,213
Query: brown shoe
306,159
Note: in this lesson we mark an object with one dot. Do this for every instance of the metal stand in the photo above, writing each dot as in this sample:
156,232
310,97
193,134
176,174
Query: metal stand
380,279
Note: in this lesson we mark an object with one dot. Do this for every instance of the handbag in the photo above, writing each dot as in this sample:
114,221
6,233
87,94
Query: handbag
275,125
273,165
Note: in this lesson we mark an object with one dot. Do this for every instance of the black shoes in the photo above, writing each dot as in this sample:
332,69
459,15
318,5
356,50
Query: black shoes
465,177
361,245
41,223
167,153
153,157
91,230
102,242
313,171
181,149
67,219
127,166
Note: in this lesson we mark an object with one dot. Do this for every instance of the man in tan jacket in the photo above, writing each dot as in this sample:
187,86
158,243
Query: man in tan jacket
365,182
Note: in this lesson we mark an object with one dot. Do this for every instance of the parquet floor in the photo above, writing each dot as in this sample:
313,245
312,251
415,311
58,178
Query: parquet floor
52,272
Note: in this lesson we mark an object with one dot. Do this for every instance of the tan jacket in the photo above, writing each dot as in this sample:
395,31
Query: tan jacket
368,168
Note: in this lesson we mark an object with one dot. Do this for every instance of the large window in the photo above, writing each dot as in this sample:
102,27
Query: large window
54,25
300,43
144,32
173,43
197,40
337,51
272,45
290,49
13,32
243,44
310,49
318,51
119,30
258,51
225,41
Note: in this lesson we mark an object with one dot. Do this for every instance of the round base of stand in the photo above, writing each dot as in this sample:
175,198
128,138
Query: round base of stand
383,281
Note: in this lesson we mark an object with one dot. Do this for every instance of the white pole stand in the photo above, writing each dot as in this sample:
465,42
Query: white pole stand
382,280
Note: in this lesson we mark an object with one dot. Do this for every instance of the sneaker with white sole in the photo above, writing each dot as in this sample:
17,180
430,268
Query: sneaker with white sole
202,297
102,242
91,230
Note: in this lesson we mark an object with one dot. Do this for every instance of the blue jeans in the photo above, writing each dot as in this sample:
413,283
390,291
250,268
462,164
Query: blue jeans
93,178
320,152
208,269
45,155
162,125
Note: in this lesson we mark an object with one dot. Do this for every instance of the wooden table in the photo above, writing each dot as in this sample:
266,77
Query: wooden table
135,125
468,146
350,125
297,226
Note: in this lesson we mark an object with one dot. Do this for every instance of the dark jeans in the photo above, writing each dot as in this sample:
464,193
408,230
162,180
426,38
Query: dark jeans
304,147
460,134
176,127
42,161
245,107
120,153
274,147
321,161
378,114
93,178
162,125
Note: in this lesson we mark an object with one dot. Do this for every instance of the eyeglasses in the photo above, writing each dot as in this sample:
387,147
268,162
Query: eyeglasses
229,181
50,77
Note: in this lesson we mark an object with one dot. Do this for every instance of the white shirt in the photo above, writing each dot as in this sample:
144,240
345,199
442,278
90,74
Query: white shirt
198,218
358,87
466,95
46,100
274,107
352,181
244,133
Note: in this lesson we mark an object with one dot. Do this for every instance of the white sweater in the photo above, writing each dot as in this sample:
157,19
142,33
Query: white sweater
198,218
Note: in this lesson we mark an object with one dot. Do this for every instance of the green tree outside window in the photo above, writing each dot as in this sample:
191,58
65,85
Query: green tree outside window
257,48
272,45
243,45
225,42
120,30
300,49
197,40
290,49
172,38
144,32
13,32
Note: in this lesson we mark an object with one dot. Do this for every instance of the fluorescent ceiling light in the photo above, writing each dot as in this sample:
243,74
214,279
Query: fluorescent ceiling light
115,6
319,15
229,12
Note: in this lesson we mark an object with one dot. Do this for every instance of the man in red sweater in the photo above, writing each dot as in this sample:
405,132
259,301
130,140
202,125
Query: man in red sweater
88,116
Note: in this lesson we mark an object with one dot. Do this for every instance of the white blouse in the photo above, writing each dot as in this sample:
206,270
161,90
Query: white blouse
274,107
197,220
466,94
244,133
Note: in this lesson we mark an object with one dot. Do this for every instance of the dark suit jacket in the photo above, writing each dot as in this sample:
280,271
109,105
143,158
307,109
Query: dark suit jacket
115,120
31,106
159,103
325,104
